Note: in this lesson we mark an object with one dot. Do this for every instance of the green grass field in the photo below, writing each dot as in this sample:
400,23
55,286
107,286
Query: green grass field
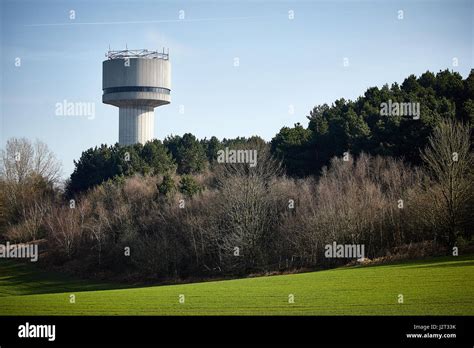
438,286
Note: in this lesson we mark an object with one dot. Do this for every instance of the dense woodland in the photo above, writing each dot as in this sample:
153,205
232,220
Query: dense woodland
170,210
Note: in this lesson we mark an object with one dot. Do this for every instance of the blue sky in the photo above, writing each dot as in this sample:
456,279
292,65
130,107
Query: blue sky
283,62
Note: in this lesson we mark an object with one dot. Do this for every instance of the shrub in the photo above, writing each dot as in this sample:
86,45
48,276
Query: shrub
188,186
167,186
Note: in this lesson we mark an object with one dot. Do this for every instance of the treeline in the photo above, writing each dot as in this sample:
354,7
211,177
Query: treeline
358,126
175,155
345,126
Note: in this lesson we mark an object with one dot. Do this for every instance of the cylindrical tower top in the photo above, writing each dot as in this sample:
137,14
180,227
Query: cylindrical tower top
136,77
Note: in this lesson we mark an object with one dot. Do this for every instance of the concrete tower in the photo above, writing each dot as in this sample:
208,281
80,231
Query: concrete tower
136,81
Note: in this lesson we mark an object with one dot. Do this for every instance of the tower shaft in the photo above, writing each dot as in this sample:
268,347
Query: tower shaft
136,124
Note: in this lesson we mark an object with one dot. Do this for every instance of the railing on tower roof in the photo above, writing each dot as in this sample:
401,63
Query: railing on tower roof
143,53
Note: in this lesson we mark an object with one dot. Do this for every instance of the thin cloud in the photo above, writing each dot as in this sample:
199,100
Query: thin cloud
148,22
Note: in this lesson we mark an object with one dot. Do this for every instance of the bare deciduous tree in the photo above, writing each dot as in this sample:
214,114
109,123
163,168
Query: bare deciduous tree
21,159
64,229
449,163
